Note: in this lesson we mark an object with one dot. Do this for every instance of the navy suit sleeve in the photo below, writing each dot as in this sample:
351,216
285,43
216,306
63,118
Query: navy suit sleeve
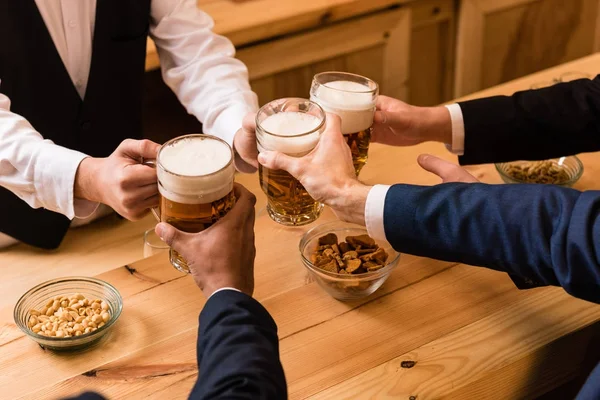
557,121
545,234
238,350
87,396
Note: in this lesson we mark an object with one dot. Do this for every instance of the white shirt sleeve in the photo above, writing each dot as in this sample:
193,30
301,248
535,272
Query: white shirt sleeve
458,130
36,170
199,66
374,211
223,288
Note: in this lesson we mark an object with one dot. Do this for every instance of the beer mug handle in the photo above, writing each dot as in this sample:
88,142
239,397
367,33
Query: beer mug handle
152,163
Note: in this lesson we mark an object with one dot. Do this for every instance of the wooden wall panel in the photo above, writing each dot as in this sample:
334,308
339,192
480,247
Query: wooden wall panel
375,46
432,52
500,40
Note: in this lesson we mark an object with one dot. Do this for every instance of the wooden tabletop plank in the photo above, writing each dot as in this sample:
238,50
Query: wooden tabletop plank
143,339
476,353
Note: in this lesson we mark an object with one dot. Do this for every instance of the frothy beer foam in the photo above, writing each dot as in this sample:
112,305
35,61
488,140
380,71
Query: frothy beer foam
352,101
195,170
291,124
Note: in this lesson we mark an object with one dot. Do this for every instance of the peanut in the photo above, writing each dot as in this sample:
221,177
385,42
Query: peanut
68,316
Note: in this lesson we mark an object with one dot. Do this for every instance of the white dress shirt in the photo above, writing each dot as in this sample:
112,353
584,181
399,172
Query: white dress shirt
376,198
198,65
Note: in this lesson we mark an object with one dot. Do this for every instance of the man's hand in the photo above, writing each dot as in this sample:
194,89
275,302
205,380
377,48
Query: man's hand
327,173
399,124
120,180
244,144
222,255
448,171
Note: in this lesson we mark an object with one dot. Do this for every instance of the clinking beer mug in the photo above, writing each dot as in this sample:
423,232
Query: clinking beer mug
353,98
195,183
292,126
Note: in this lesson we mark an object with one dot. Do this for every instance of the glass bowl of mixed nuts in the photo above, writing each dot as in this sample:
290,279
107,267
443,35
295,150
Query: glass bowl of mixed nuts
68,313
345,261
563,171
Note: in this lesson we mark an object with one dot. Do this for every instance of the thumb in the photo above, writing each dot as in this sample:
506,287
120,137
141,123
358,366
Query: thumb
139,149
333,124
449,172
172,236
277,160
388,118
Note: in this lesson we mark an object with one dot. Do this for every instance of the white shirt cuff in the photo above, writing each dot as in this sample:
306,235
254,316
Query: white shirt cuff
223,288
84,209
458,130
55,177
230,120
374,211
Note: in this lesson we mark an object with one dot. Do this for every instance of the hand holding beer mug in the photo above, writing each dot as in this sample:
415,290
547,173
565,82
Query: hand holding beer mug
293,127
327,173
195,183
353,98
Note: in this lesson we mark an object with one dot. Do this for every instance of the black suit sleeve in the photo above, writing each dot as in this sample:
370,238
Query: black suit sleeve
238,350
547,235
560,120
87,396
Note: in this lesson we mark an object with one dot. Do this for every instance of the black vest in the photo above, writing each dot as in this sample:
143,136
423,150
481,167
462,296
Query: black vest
35,79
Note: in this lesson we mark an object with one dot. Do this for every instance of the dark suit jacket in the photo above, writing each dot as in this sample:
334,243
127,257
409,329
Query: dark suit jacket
560,120
238,351
540,235
543,235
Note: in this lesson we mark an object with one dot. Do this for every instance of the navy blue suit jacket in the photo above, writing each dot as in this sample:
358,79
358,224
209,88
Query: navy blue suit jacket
557,121
238,351
540,235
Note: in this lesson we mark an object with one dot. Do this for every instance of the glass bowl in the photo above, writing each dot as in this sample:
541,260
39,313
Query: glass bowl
571,165
37,297
345,287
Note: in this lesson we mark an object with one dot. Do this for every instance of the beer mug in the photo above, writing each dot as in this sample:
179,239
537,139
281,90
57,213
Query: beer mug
292,126
195,184
353,98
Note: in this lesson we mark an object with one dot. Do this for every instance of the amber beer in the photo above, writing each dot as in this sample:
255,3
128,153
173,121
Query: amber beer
353,98
195,182
291,126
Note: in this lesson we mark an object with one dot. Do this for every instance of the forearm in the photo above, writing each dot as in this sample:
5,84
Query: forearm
536,124
85,187
36,170
201,68
543,233
238,350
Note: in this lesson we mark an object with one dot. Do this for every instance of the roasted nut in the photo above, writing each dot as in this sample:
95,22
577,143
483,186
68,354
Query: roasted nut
364,241
538,172
352,265
67,316
379,256
371,266
332,266
329,239
344,247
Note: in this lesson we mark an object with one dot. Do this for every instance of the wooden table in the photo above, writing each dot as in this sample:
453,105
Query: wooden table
471,333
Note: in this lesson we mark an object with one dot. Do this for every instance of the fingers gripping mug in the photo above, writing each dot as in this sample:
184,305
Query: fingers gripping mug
195,183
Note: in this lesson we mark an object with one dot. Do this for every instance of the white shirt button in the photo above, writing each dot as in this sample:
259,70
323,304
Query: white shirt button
72,23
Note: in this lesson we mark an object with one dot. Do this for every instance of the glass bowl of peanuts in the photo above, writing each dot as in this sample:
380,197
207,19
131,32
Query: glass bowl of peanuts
563,171
69,313
345,261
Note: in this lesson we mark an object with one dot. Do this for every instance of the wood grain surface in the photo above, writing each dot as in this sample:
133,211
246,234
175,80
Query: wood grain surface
257,20
434,330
